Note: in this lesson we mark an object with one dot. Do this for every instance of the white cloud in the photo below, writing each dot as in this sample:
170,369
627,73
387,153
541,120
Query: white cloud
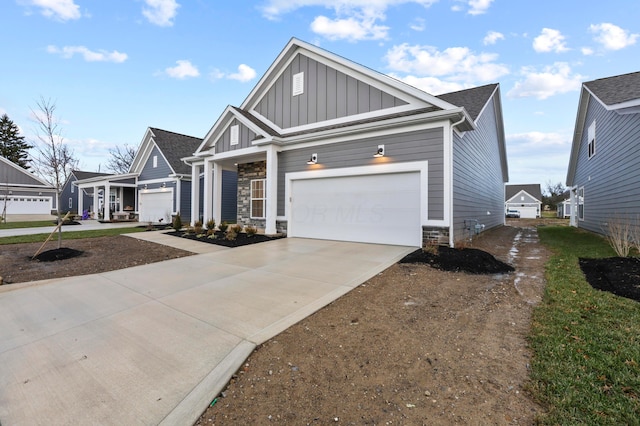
478,7
184,69
537,157
418,25
88,55
586,51
457,64
549,40
354,19
161,12
612,37
552,80
245,73
63,10
349,28
492,37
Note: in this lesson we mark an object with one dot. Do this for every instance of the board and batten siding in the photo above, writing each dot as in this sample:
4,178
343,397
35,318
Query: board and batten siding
478,183
404,147
245,138
12,176
328,94
162,171
185,200
610,177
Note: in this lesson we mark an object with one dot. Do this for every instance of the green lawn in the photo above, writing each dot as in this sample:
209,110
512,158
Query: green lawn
33,224
586,343
70,235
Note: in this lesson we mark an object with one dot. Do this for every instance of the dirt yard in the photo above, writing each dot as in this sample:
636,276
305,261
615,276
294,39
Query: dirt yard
413,345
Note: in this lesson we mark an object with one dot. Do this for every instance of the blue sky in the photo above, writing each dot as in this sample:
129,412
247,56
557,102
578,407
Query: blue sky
114,68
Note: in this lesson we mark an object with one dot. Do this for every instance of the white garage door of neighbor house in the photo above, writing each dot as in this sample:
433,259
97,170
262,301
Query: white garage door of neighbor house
528,212
383,208
155,206
24,204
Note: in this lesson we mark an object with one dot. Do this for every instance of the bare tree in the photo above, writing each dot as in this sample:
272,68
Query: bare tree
54,160
121,158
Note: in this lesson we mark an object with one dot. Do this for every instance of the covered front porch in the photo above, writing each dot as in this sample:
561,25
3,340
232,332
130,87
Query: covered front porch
114,197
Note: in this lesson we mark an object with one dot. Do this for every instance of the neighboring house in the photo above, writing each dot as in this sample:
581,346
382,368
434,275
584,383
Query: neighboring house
23,195
327,148
527,199
563,208
158,184
70,194
604,166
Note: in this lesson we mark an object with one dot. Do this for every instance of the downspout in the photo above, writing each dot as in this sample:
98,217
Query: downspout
451,229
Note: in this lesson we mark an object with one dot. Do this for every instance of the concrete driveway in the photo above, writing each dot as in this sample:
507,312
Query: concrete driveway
156,343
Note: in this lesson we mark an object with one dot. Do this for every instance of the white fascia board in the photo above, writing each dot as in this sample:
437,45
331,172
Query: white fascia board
141,151
581,116
237,153
159,180
615,107
103,180
221,125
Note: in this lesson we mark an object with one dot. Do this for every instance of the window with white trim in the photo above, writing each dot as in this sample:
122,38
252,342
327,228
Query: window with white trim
591,135
73,188
155,161
234,134
258,198
70,202
298,84
581,203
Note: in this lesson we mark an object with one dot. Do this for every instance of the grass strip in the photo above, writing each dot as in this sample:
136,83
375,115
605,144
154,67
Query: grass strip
27,224
70,235
586,342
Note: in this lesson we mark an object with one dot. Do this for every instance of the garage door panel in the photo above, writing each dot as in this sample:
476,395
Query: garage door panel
372,208
155,206
26,204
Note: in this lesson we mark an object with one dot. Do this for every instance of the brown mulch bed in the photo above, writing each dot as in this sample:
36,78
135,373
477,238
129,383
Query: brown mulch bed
473,261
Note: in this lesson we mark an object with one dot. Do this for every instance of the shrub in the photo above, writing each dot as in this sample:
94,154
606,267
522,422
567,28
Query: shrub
177,222
210,232
189,230
231,235
198,227
223,226
236,228
211,224
250,230
431,248
620,236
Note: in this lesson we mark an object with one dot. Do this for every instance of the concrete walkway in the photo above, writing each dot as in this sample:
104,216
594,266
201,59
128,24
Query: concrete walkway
155,344
85,225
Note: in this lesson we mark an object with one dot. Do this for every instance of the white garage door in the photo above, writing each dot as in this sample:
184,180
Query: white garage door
154,206
25,204
528,212
381,208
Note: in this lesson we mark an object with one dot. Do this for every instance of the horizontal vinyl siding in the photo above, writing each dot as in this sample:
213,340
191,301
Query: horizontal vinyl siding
478,186
610,177
405,147
161,171
328,94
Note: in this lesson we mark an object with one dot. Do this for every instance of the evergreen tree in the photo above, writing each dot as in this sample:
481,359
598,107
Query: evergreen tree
12,145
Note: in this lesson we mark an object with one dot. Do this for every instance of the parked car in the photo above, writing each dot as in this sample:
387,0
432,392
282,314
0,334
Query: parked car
513,213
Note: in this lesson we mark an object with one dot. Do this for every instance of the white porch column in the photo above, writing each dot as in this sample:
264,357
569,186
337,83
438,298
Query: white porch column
272,191
96,202
573,201
178,196
107,202
195,192
217,192
207,212
80,200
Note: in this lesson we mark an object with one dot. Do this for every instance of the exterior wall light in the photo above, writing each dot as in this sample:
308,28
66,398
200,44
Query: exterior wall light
313,159
379,152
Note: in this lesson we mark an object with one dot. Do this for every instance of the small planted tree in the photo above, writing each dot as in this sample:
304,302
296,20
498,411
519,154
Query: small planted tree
177,223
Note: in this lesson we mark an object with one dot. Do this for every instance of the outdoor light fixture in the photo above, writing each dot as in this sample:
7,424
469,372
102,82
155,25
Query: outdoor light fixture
313,159
164,184
145,186
379,152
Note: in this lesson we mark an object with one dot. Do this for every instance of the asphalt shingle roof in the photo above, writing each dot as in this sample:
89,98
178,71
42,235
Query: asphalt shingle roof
532,189
617,89
473,100
81,175
175,146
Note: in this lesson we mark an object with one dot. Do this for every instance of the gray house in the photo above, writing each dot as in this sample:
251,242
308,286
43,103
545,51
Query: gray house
23,195
70,194
604,167
158,184
327,148
527,199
